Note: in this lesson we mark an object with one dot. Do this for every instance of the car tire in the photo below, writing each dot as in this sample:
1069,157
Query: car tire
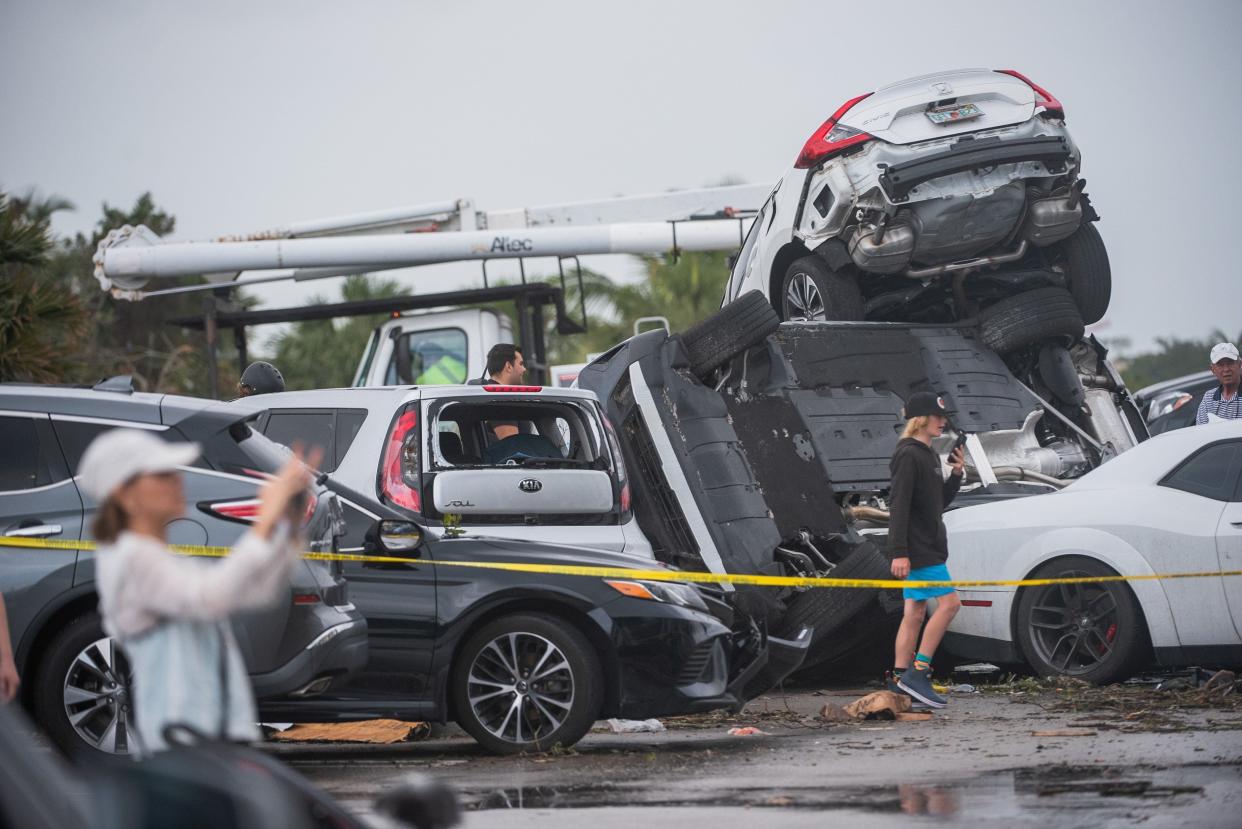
1055,642
1088,273
828,609
814,292
740,325
574,692
1031,317
86,676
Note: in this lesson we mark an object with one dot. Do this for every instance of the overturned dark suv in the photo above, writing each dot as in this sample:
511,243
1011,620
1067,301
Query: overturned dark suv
761,447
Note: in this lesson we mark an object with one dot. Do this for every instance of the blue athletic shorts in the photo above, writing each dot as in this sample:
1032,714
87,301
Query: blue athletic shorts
937,572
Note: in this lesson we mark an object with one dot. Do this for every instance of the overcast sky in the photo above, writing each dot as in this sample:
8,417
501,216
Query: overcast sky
242,116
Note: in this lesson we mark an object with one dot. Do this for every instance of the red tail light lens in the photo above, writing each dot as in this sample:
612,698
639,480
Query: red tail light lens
831,138
306,598
513,388
1043,97
399,475
245,511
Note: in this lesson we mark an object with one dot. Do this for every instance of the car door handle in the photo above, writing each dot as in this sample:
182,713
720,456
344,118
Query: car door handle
38,531
1236,523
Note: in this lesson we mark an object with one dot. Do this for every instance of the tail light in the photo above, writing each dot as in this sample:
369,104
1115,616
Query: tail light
306,598
619,461
513,388
247,510
399,474
1043,97
831,138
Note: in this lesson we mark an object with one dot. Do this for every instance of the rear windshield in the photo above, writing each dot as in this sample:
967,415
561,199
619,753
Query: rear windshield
499,432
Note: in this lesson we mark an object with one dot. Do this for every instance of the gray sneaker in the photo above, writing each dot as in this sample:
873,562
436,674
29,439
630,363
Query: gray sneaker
917,684
890,684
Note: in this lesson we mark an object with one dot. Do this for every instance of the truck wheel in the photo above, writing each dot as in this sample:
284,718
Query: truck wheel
1088,273
1093,632
741,324
829,608
526,683
82,690
814,292
1030,317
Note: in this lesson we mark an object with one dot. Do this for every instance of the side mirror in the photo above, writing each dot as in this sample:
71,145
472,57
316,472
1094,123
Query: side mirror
394,537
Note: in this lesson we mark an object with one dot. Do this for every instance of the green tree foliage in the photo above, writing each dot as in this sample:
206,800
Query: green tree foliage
684,291
36,320
122,337
323,354
1174,358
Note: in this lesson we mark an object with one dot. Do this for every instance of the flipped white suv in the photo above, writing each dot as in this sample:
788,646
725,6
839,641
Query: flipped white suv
926,201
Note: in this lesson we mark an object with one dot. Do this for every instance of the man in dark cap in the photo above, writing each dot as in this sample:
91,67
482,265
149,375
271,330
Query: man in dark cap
918,542
260,378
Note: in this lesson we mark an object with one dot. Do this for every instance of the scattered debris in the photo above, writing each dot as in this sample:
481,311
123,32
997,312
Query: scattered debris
367,731
636,726
831,712
914,716
747,731
964,688
880,705
1064,732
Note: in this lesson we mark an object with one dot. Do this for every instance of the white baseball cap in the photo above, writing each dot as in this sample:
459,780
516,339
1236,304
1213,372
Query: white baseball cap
116,457
1224,351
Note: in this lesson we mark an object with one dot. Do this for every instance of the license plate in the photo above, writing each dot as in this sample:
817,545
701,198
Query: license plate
950,114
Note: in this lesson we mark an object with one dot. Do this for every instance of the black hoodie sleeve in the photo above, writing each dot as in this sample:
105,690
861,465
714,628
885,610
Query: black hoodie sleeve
900,499
951,486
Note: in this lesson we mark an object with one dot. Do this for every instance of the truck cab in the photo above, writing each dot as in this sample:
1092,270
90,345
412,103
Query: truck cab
432,348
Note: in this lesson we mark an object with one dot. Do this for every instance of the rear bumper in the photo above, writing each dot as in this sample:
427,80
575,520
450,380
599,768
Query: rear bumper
336,652
899,179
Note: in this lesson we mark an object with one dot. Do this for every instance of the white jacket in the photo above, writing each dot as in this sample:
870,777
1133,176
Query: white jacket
170,613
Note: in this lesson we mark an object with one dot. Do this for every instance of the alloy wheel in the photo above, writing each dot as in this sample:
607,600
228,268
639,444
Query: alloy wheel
97,697
520,687
1074,627
803,300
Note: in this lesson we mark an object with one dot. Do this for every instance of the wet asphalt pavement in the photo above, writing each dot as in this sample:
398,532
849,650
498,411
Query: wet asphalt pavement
977,762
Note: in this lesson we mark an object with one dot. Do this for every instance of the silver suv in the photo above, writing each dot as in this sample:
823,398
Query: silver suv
926,201
434,450
75,678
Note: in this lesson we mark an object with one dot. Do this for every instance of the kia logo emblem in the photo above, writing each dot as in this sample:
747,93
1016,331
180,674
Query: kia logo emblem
530,485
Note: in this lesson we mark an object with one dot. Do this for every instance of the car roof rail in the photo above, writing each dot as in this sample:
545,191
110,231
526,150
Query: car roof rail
121,384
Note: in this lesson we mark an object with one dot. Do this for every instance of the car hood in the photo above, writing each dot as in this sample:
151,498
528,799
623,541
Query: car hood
895,113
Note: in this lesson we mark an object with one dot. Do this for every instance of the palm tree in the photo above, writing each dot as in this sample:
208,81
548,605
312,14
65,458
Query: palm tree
38,320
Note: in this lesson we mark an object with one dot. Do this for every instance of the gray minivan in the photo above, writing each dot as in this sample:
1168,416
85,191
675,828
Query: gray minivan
75,681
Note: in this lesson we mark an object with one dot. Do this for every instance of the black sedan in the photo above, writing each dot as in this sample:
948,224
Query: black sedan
524,661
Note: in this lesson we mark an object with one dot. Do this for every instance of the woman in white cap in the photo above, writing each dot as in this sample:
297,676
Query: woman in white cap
170,612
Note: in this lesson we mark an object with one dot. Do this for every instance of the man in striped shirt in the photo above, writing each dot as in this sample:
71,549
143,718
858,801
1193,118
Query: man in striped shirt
1222,402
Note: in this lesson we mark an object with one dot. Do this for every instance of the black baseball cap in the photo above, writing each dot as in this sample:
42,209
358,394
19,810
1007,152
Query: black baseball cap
925,403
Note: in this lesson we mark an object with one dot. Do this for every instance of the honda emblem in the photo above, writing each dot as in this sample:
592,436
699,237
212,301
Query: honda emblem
942,88
530,485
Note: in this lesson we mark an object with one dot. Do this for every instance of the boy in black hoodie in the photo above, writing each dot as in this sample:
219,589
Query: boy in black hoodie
918,543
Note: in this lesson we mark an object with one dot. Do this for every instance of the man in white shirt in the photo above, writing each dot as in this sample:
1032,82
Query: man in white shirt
1222,402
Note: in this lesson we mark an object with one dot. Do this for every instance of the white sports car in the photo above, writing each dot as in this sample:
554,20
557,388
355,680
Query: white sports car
1170,505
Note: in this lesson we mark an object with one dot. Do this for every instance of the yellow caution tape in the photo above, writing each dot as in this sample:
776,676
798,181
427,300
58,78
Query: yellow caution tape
645,575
